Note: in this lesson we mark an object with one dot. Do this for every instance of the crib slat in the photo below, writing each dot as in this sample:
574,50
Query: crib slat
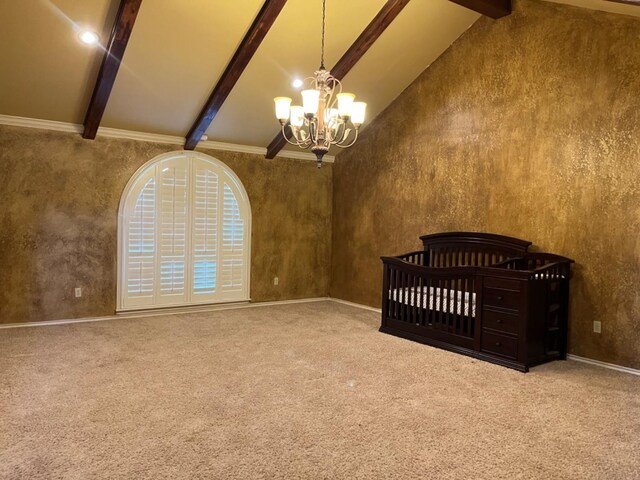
444,307
416,300
408,318
472,318
403,301
421,311
392,288
439,303
429,320
463,320
412,299
397,293
407,302
450,319
400,294
456,306
407,298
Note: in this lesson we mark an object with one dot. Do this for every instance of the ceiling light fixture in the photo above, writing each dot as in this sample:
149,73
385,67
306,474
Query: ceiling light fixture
318,123
88,37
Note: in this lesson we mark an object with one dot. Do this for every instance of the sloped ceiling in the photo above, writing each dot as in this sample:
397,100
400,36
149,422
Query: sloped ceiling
46,72
179,49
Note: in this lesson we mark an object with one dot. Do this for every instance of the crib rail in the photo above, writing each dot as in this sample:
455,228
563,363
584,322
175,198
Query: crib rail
540,265
453,257
419,257
451,249
463,256
442,299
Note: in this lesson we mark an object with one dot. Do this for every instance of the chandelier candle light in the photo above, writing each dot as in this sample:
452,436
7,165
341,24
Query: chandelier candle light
319,123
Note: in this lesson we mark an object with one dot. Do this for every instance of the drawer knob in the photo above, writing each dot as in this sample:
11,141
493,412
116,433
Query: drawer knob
499,320
500,297
498,344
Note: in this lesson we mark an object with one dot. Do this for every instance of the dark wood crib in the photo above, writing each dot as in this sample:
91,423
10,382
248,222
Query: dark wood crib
482,295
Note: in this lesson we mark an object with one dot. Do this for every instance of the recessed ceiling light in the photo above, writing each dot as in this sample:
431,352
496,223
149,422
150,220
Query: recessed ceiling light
88,37
297,83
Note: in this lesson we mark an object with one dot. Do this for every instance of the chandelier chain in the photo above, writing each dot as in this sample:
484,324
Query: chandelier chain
323,22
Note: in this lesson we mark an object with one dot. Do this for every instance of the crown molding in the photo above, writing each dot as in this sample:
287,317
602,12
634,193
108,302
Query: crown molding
41,124
151,137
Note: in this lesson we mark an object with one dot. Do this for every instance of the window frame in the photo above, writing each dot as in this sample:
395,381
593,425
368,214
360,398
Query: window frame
122,232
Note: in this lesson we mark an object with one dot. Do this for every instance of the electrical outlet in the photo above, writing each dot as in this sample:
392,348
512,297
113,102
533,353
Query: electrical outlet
597,326
78,292
276,280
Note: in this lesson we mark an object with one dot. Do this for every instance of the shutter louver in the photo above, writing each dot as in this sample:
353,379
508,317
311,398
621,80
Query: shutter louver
232,242
141,227
172,232
205,232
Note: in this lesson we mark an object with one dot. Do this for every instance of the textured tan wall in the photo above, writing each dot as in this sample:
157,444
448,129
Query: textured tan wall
59,196
528,126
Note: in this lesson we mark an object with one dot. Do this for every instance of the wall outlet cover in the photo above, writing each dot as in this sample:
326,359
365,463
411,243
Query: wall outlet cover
597,327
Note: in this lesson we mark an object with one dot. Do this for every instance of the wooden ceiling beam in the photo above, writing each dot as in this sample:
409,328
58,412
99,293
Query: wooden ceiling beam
489,8
250,43
628,2
122,27
369,35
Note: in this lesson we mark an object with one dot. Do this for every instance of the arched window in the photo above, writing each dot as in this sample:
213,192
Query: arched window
184,231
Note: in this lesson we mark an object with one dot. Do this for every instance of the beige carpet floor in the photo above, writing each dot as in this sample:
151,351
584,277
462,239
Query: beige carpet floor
304,391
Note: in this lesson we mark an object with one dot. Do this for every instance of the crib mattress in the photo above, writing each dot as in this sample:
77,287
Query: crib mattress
432,298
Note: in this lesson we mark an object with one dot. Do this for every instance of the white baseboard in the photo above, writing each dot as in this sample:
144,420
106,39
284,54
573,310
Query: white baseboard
357,305
162,312
576,358
611,366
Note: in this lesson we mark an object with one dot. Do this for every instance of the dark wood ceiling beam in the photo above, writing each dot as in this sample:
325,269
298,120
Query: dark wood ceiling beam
489,8
114,51
250,43
628,2
369,35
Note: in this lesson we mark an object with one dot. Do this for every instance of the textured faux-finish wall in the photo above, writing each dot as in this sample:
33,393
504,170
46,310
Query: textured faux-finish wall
58,222
527,126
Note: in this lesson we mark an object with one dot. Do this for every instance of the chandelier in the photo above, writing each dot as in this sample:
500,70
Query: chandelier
319,123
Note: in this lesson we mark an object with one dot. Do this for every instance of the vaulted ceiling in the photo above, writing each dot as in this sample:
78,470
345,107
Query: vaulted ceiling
179,49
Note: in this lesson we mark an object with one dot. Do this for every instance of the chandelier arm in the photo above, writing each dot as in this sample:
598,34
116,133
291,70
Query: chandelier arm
338,138
297,143
329,137
333,96
313,131
355,137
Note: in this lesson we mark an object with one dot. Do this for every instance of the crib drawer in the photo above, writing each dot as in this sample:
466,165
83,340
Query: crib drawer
502,283
499,344
497,297
501,321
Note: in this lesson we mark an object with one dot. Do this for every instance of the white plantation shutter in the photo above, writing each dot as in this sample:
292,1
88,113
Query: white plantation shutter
232,242
205,232
172,230
184,234
140,245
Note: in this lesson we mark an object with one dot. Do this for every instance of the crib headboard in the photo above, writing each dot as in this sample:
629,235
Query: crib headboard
452,249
